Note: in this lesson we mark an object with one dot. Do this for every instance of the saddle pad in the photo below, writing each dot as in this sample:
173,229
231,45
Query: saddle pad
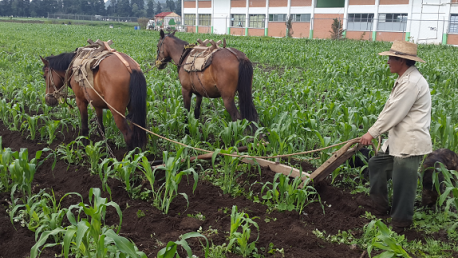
199,58
85,61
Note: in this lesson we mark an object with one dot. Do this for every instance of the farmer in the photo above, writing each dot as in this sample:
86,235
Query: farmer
407,117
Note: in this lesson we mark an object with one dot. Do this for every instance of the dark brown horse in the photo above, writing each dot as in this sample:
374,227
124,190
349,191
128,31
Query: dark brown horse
230,72
113,81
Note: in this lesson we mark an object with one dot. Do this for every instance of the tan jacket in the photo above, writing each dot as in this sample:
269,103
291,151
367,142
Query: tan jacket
407,116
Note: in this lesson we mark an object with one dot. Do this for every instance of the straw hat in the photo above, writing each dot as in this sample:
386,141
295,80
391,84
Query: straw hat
403,49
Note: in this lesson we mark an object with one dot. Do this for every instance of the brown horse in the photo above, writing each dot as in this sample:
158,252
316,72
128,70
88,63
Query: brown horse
113,81
229,72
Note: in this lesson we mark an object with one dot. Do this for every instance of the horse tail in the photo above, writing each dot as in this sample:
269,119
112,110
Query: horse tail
245,81
137,108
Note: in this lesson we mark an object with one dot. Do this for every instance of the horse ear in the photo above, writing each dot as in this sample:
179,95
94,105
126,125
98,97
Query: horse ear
45,62
162,34
173,33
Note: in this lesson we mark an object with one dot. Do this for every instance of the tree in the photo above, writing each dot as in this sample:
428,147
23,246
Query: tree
150,10
178,8
124,8
171,5
336,29
158,7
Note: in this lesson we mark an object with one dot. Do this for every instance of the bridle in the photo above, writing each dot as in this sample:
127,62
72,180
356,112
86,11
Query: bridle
160,50
58,94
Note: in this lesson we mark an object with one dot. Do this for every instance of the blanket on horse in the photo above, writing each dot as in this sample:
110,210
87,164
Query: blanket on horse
88,59
200,56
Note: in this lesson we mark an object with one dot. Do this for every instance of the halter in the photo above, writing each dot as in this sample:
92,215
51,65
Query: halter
160,51
58,94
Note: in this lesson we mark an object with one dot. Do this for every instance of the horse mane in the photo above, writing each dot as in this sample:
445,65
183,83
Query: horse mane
179,41
60,62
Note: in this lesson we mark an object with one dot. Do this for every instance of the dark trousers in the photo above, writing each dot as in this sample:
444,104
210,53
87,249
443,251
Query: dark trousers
403,172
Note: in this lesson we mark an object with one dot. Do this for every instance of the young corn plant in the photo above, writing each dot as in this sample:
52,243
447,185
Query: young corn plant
227,181
171,251
16,114
125,171
241,219
22,172
449,195
384,239
31,124
168,191
50,128
87,236
6,158
69,153
283,195
95,154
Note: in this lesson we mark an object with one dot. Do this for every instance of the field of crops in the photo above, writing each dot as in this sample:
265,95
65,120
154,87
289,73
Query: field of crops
308,94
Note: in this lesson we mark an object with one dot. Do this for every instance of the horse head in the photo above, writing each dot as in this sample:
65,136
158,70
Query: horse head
54,68
163,52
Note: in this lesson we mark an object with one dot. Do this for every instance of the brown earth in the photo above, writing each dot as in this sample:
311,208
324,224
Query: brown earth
288,230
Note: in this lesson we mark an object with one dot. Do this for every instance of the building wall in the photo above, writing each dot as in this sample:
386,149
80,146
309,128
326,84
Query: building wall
300,29
359,35
205,4
452,39
205,29
389,2
301,2
191,29
189,4
238,3
257,3
322,25
361,2
237,31
390,36
255,32
277,29
278,3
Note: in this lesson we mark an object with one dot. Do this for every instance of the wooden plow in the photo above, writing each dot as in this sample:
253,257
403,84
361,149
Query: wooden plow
337,159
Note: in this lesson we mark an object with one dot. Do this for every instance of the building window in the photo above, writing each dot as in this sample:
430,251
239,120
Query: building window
277,17
453,23
330,3
205,19
392,22
360,21
238,20
190,19
301,17
257,20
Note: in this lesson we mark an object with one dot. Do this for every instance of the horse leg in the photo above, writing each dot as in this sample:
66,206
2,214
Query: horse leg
82,106
187,105
197,107
229,104
123,126
101,128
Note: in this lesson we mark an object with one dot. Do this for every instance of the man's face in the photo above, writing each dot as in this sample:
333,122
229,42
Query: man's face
395,65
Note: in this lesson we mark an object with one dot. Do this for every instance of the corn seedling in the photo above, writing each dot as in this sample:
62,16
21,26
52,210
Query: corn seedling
16,121
6,157
384,240
170,250
51,128
283,195
169,189
448,191
125,170
69,153
87,236
241,219
228,179
95,154
31,124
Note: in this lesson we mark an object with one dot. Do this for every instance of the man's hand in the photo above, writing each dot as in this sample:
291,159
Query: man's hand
366,139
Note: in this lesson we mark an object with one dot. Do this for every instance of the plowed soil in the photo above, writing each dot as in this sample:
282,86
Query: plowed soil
288,230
